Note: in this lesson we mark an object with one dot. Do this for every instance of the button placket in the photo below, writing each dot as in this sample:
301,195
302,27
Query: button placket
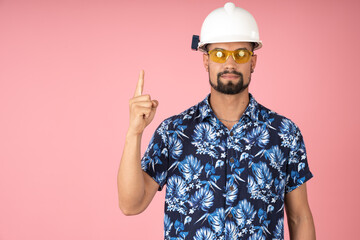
230,160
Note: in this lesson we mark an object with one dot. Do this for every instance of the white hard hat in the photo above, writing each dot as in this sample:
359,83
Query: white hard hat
229,24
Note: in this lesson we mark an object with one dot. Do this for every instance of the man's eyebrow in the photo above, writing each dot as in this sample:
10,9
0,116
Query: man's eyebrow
243,48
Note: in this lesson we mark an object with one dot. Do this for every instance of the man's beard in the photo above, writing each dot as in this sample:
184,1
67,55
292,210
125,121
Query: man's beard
230,88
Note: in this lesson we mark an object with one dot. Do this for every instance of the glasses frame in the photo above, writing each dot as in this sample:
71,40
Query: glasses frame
232,53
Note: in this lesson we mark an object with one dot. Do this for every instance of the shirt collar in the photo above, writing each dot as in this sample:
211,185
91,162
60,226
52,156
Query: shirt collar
251,110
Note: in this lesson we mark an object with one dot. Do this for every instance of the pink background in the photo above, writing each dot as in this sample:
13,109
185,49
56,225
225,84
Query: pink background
69,67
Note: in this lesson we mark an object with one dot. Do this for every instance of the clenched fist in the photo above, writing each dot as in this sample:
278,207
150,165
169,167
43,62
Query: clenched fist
142,108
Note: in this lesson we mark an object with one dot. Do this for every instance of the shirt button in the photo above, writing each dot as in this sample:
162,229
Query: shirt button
232,160
231,188
231,134
230,215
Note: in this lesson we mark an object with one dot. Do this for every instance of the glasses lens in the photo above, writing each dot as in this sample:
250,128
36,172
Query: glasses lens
242,55
218,55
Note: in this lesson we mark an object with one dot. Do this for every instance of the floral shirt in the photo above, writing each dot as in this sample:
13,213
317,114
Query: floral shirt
226,184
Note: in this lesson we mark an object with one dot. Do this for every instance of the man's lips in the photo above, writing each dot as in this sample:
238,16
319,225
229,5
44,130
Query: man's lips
230,76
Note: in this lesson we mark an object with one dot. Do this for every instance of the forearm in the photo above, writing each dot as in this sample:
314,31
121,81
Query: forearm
130,180
302,228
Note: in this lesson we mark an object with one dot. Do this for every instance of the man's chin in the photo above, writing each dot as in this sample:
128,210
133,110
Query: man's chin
230,82
228,90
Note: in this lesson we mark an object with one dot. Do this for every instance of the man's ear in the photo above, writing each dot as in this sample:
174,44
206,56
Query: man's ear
206,61
253,62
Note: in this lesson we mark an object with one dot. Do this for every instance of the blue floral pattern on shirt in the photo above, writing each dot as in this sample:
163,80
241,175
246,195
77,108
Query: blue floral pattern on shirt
224,184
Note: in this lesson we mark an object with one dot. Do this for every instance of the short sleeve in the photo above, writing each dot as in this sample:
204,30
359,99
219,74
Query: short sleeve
155,160
298,171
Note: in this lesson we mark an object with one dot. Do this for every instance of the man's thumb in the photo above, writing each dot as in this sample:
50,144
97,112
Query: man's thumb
155,103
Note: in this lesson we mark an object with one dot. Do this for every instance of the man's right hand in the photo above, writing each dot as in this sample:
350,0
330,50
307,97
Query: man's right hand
142,108
136,188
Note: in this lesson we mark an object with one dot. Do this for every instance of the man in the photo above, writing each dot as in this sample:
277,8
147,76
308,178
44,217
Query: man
230,164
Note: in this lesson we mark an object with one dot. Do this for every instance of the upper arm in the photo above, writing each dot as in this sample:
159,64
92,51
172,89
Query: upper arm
296,203
154,164
300,220
151,187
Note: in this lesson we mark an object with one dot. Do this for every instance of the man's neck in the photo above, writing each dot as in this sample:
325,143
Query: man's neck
229,108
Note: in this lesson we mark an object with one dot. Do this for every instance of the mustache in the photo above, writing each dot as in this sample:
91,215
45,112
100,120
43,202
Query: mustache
228,72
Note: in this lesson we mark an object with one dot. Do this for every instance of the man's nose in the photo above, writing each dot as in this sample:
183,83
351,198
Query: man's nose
230,63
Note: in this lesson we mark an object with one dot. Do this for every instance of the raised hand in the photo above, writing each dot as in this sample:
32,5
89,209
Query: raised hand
142,108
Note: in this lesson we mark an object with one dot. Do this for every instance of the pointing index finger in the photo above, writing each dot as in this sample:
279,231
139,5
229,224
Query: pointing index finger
140,84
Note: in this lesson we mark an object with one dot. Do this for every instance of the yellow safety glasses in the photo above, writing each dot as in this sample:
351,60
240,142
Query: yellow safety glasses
219,55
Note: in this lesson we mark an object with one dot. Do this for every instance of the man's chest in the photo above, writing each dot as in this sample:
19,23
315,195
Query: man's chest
245,162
